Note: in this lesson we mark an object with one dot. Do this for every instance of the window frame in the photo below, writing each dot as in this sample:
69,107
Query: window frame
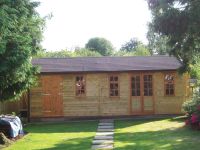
84,78
143,82
165,83
118,82
135,75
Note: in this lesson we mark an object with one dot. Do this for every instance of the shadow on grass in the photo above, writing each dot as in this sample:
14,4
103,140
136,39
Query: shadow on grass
62,127
72,144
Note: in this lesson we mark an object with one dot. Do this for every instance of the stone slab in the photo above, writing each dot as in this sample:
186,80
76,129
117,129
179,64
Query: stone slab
105,127
103,146
97,142
105,133
105,130
103,137
105,123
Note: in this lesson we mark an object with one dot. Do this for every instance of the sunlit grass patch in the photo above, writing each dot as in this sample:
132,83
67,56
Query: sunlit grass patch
168,134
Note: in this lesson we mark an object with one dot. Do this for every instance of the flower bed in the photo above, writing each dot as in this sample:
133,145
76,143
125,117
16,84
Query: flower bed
192,109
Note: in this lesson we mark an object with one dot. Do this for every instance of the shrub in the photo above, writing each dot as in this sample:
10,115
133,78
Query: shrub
192,109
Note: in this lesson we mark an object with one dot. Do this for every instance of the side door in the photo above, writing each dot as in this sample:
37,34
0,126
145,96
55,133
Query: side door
52,100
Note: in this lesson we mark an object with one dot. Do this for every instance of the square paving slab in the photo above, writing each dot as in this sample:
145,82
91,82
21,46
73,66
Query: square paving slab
105,127
105,133
104,123
97,142
105,130
103,146
103,137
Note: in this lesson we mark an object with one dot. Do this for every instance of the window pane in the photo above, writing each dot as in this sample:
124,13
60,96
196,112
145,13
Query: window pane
145,92
150,85
169,77
133,93
111,78
150,92
116,86
150,77
111,86
145,85
171,91
116,93
133,86
169,84
167,92
145,78
138,92
138,85
80,85
77,78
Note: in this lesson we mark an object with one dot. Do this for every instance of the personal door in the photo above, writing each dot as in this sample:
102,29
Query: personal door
52,96
141,99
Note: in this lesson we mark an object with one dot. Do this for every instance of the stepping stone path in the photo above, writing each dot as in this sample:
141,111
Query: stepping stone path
104,136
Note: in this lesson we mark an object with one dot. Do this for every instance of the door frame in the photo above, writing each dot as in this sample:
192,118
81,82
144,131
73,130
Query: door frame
142,112
57,95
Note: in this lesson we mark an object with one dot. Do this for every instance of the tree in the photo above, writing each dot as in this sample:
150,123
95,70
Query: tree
100,45
85,53
131,45
157,43
81,52
20,35
178,20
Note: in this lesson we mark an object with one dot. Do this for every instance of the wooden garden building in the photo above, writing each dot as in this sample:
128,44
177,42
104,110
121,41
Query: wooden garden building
108,86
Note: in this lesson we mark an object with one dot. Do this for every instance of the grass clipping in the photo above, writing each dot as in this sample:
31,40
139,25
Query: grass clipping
4,140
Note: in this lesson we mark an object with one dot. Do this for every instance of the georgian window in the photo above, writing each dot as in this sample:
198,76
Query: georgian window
148,87
169,84
80,86
135,85
114,86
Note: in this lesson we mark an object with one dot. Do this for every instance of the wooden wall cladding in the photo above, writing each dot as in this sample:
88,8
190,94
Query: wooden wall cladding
97,102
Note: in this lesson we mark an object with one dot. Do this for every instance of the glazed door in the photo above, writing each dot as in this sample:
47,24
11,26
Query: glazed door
52,96
141,100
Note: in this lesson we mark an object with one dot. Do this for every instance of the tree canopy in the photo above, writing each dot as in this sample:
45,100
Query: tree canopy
20,35
133,47
100,45
157,43
179,20
82,52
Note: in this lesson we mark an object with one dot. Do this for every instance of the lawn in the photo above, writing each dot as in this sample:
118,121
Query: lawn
154,134
164,134
57,136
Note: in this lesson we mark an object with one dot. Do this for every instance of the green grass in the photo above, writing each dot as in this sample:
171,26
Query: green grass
57,136
154,134
164,134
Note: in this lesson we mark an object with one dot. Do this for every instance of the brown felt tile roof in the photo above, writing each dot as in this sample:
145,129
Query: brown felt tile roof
102,64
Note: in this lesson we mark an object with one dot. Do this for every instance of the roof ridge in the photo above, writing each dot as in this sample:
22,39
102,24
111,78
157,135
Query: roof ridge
101,57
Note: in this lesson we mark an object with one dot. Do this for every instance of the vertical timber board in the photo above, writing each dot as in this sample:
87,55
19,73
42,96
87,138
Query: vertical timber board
52,100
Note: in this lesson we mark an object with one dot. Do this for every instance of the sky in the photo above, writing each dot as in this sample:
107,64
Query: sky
74,22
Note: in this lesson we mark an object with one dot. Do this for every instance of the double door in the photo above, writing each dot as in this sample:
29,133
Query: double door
141,99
